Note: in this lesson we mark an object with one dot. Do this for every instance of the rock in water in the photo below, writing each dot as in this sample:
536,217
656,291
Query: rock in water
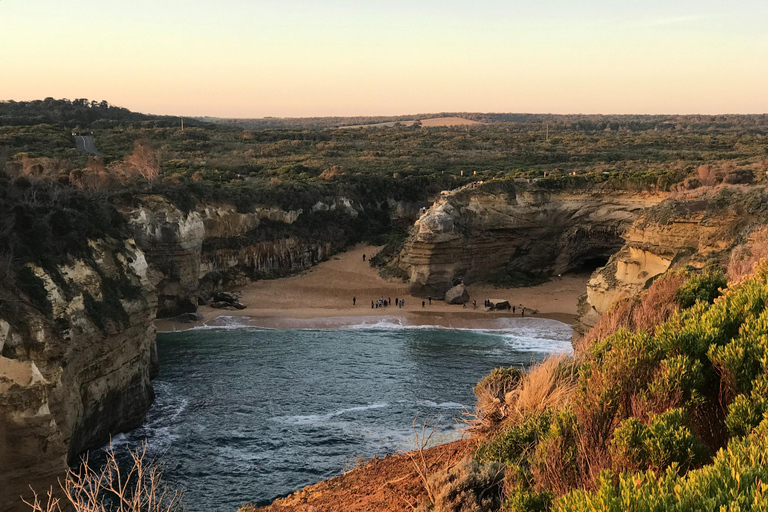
457,295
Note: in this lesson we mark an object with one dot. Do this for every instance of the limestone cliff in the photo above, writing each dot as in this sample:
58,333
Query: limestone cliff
196,251
473,232
215,245
691,229
77,357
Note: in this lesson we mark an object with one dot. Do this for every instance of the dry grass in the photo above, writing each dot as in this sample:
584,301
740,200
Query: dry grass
547,386
110,489
746,256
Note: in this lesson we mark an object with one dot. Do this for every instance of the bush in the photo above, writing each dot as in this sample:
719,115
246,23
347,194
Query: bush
515,444
734,481
467,487
492,389
704,287
663,442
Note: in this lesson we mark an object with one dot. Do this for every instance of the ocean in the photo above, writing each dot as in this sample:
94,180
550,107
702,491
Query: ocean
245,415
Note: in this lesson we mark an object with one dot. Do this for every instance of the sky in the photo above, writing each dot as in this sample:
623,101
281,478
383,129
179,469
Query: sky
289,58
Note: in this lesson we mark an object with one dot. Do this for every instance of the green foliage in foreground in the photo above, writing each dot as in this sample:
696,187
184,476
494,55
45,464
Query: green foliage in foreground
645,427
737,480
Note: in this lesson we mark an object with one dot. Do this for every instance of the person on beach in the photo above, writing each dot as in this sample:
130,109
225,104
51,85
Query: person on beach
423,304
464,305
371,304
363,256
474,304
430,300
522,312
513,310
354,300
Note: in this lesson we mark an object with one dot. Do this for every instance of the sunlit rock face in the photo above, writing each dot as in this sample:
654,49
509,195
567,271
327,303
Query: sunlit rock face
691,229
472,233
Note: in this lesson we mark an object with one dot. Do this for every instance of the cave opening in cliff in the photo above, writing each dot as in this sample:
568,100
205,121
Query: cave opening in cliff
590,264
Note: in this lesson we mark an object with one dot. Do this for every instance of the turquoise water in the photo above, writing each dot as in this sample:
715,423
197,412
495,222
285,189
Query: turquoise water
248,415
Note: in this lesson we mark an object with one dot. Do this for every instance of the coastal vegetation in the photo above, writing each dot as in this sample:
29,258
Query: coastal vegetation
661,408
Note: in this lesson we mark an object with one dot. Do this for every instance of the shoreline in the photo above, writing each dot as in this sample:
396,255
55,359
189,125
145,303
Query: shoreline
321,298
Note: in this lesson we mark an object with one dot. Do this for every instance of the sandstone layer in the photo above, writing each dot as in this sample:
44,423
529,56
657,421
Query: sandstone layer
472,233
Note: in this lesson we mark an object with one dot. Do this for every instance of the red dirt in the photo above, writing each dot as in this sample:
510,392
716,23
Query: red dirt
391,484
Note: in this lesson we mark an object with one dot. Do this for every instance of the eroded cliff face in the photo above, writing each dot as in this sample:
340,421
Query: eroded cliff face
76,364
469,234
689,230
194,252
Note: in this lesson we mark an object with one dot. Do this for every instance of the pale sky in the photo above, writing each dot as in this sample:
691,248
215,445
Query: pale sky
238,58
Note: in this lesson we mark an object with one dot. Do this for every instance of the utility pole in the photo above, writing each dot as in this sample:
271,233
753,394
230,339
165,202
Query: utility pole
547,131
182,125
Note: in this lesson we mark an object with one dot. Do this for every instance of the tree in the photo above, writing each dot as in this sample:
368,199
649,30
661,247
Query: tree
145,160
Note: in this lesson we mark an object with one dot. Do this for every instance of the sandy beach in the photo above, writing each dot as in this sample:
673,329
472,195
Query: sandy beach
321,297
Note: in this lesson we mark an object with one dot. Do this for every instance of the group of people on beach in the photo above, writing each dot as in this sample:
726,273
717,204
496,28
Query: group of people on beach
382,302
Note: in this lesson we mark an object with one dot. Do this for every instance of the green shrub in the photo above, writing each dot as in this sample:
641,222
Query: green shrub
704,287
492,389
663,442
745,414
556,460
735,481
520,500
514,444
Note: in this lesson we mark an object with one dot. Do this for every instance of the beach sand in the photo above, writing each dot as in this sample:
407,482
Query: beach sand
321,297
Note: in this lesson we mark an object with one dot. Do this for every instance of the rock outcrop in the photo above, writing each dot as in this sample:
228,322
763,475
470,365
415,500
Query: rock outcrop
457,295
693,230
474,232
77,358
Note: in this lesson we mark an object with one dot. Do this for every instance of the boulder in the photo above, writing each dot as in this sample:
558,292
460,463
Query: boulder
457,295
188,317
227,305
225,297
499,305
222,305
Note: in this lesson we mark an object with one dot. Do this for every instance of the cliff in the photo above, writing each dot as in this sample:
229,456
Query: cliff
214,245
474,232
692,229
77,358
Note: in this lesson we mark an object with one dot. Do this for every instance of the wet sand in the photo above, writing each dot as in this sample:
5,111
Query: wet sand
321,297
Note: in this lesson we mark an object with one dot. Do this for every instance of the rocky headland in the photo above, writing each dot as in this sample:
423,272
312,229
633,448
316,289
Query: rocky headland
473,233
